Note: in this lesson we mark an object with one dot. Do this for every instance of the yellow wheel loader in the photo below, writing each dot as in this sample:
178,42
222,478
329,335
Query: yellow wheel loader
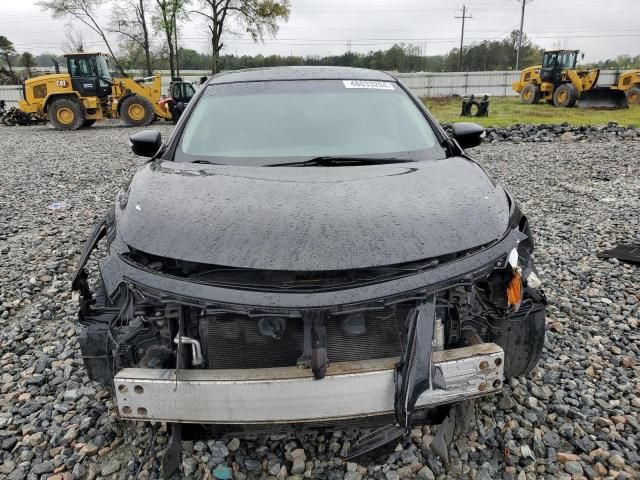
559,83
88,93
630,82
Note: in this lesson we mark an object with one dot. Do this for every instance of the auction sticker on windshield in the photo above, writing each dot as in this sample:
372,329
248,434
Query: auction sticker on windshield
368,84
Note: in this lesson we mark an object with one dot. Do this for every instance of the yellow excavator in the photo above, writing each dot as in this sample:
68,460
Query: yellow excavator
558,82
87,93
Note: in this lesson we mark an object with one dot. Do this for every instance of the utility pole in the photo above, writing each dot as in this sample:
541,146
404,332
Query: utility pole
524,4
426,61
463,17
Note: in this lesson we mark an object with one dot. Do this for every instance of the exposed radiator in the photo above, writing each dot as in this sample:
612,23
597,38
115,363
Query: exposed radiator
232,341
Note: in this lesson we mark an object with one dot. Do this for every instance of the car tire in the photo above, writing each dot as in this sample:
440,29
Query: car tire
66,114
522,339
566,95
88,123
530,94
137,111
633,96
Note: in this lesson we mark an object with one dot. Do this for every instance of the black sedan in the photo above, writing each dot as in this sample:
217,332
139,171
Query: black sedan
309,247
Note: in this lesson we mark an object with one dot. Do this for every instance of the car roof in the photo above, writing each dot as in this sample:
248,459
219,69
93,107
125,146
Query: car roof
299,73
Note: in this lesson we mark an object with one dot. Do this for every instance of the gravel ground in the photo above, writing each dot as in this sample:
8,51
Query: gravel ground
575,416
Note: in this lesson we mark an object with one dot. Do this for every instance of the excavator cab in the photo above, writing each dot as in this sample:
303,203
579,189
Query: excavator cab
89,73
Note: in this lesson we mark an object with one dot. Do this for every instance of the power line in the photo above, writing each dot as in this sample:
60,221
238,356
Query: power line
596,33
331,42
463,17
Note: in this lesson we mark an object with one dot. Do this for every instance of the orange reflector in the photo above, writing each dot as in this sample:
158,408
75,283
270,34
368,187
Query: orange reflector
514,290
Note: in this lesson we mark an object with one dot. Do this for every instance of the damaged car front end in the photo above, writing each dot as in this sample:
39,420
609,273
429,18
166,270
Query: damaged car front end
369,289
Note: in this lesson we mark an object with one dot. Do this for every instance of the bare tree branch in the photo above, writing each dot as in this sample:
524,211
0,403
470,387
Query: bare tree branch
75,39
83,11
129,20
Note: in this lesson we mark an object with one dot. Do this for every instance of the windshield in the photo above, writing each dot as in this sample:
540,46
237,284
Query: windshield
103,68
567,59
275,122
564,60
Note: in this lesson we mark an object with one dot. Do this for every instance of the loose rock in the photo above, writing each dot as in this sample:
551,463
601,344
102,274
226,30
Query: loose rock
575,415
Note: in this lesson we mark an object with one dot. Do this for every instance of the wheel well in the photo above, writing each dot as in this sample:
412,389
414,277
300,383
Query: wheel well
51,98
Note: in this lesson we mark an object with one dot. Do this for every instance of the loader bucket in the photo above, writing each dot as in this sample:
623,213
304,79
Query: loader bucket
603,98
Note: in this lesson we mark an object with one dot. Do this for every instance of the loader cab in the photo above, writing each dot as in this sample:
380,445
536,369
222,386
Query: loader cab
181,94
555,62
89,73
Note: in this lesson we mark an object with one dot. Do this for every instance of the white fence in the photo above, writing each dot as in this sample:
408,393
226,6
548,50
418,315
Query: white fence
465,83
11,94
459,83
423,84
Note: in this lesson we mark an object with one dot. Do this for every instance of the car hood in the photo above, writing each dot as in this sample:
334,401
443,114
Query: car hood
311,218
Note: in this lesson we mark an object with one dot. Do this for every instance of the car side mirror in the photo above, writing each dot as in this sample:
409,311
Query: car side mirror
146,143
468,134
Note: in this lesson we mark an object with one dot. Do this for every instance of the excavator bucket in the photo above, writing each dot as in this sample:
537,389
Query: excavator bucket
603,98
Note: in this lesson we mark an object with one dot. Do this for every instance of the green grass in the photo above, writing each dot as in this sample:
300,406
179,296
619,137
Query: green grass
506,111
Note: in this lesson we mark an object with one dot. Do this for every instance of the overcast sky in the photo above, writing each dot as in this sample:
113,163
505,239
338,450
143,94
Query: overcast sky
601,29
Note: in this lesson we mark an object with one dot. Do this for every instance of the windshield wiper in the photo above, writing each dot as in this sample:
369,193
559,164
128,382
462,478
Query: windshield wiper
207,162
327,161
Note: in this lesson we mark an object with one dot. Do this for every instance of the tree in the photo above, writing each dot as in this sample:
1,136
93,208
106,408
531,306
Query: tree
166,18
7,57
192,60
45,59
133,57
258,17
181,12
129,20
85,11
621,62
28,62
484,56
495,55
75,40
